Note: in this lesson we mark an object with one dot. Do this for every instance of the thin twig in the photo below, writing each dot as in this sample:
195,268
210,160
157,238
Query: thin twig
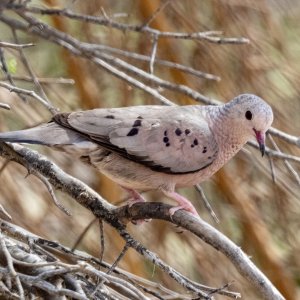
18,90
121,255
276,154
156,12
5,106
132,81
166,63
29,69
5,213
51,192
287,164
145,76
42,80
207,36
15,46
206,203
272,168
11,268
22,235
7,73
153,53
285,136
81,236
102,240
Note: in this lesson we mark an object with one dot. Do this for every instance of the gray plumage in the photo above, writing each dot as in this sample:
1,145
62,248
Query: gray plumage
155,147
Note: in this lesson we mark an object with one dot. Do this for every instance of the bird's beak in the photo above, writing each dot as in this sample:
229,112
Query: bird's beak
260,137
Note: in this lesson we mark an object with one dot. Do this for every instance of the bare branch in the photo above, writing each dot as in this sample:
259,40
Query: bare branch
11,268
43,80
15,46
157,11
272,168
5,106
153,53
6,72
206,36
81,236
206,203
4,212
102,209
51,192
17,90
157,61
287,164
29,69
285,136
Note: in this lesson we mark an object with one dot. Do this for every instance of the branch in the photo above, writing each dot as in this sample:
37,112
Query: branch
42,80
161,62
21,234
102,209
4,106
15,46
209,36
21,91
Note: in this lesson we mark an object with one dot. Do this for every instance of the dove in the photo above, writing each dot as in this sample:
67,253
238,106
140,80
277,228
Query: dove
155,147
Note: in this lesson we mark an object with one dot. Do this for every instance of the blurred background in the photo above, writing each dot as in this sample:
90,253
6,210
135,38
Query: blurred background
260,215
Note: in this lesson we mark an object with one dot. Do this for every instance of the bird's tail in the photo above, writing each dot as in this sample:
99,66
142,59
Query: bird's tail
50,134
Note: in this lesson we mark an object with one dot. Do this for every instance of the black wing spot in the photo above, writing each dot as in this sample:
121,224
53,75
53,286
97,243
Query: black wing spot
178,131
187,131
192,146
209,157
166,139
204,150
195,142
167,144
109,117
139,117
133,131
165,133
137,123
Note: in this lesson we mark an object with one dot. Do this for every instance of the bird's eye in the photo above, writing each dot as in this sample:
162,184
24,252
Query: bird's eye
248,115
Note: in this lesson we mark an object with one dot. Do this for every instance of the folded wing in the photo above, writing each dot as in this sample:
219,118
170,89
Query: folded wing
163,138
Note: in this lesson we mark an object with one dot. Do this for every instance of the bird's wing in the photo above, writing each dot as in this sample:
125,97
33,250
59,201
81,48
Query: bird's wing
167,139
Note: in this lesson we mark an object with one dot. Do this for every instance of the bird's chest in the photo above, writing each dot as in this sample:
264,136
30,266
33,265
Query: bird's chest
224,154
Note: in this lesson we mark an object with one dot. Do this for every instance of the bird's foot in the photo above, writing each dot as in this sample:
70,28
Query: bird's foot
135,197
183,204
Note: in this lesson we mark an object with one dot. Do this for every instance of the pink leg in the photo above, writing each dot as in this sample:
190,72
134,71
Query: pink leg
135,197
183,204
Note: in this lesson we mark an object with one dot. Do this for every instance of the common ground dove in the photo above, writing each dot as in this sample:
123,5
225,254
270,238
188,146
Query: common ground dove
156,147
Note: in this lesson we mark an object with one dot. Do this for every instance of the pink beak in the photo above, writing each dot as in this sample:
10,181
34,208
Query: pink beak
260,137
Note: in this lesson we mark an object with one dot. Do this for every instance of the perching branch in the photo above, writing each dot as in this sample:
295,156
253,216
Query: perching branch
102,209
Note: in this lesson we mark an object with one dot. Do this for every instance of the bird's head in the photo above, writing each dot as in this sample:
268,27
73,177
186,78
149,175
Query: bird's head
253,117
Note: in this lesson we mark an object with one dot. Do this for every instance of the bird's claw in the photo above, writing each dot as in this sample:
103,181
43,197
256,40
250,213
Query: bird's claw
191,209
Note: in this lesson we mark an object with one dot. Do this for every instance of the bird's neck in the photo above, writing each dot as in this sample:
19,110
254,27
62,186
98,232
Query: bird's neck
229,138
